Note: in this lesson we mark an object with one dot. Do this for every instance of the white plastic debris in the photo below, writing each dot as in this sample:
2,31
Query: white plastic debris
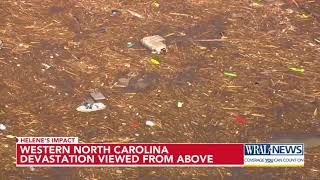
86,107
180,104
136,14
51,86
10,136
150,123
46,66
118,171
3,127
155,44
32,168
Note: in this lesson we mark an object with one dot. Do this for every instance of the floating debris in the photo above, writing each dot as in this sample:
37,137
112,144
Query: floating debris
87,107
150,123
89,100
46,66
240,119
136,14
10,136
155,61
231,74
293,2
103,30
118,171
316,40
122,82
32,168
115,11
305,16
180,104
301,70
135,125
1,44
97,95
155,44
2,112
3,127
255,4
155,4
289,11
211,40
130,45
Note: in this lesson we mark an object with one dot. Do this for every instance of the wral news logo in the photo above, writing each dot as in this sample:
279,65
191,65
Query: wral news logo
273,149
274,154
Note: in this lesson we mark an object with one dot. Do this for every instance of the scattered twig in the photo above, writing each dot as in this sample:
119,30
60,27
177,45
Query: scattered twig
295,2
210,40
4,62
179,14
136,14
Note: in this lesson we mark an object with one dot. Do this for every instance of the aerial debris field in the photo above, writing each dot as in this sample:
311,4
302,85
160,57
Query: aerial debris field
234,72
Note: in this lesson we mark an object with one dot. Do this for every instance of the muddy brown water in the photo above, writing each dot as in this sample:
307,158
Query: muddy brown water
86,47
309,140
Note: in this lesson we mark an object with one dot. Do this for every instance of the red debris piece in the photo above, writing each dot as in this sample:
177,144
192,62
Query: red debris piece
291,2
240,119
135,125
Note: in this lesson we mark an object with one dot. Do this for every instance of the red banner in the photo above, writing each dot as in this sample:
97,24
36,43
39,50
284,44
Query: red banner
130,155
